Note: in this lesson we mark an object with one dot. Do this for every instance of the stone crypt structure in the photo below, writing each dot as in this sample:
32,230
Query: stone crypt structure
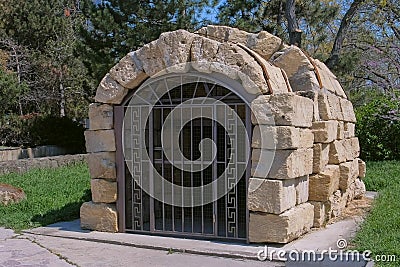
302,167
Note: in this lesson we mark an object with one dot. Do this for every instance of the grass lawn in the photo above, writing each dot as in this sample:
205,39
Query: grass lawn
53,195
380,232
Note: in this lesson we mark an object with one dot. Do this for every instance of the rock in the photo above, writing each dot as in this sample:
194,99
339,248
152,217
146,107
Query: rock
348,174
303,80
99,217
286,164
101,116
347,110
340,130
352,148
203,53
261,112
362,167
151,58
337,203
271,196
349,130
301,189
129,71
103,191
324,131
320,217
324,184
359,190
320,157
283,228
264,44
100,141
292,60
102,165
337,152
313,95
281,137
109,91
10,194
291,110
328,79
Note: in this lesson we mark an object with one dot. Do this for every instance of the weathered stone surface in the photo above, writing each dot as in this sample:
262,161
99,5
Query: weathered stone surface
151,58
225,34
292,59
103,191
320,217
281,137
324,184
348,173
286,164
359,190
102,165
362,167
313,95
347,110
352,148
320,157
271,196
10,194
109,91
203,53
324,131
291,110
328,79
337,152
100,141
129,71
283,228
349,130
261,111
303,80
301,189
337,203
264,44
99,217
101,116
175,49
340,130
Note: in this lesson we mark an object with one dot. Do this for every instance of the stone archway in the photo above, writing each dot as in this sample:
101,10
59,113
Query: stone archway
300,114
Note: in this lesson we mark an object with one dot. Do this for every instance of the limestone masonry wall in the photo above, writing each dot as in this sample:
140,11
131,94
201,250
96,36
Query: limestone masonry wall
301,116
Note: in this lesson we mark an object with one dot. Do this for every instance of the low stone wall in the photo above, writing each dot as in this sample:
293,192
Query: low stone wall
15,153
23,165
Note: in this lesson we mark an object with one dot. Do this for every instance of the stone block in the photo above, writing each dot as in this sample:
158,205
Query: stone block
348,173
324,184
291,110
337,203
313,95
324,131
151,57
283,228
340,130
99,217
328,79
359,189
301,189
103,191
100,141
292,59
281,164
320,157
362,167
320,217
101,117
271,196
102,165
347,110
352,148
337,152
264,44
129,71
261,112
303,80
203,53
281,137
109,91
349,130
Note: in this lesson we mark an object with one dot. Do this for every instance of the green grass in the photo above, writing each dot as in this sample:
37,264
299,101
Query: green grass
380,232
53,195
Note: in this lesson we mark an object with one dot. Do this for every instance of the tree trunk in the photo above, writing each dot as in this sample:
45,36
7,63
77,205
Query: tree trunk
333,59
293,25
62,97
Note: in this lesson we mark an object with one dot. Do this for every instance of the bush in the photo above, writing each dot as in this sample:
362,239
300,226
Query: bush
36,130
378,128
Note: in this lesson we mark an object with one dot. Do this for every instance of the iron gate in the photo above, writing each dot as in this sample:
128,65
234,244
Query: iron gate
139,211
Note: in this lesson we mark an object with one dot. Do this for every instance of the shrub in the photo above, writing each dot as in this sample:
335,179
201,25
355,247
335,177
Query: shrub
378,128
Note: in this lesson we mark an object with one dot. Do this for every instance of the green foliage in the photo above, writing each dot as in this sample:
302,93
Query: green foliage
378,127
380,232
10,91
52,195
32,131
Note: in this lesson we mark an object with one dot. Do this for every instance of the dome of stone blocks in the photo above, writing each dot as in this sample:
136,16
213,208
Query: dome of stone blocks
298,110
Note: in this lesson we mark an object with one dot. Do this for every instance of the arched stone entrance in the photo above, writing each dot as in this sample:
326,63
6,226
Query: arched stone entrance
302,166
